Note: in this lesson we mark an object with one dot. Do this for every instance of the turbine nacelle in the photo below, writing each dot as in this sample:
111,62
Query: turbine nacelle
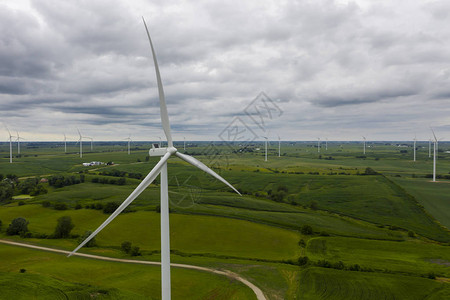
157,151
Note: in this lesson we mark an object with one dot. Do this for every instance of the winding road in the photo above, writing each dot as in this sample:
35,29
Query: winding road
259,294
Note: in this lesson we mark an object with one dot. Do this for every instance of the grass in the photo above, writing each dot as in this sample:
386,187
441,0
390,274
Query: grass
59,277
189,234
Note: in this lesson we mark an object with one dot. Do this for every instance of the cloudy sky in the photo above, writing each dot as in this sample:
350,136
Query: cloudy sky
333,69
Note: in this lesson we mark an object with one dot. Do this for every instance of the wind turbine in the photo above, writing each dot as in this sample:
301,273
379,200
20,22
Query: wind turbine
415,138
159,169
129,141
184,144
65,143
18,138
10,145
318,145
326,144
429,148
92,142
279,146
80,140
364,144
265,143
434,155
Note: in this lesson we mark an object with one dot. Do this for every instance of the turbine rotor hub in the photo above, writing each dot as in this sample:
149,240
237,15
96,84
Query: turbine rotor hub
172,150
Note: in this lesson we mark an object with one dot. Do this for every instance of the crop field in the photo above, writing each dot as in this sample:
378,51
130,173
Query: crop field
335,284
331,225
434,197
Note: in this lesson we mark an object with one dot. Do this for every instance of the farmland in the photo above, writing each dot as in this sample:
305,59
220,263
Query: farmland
370,226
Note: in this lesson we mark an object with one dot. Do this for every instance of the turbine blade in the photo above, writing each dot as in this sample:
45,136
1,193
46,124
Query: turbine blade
162,101
140,188
433,134
9,132
196,163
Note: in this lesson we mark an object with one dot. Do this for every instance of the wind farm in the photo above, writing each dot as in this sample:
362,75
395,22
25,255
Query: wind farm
182,195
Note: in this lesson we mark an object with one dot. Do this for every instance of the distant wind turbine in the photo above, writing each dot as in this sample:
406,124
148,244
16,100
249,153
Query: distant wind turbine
415,138
265,143
10,145
318,145
434,155
184,143
364,145
92,142
326,144
129,141
65,143
279,146
429,148
80,140
159,169
18,138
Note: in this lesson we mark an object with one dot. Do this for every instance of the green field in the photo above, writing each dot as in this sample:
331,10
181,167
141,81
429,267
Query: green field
54,276
317,283
392,225
433,196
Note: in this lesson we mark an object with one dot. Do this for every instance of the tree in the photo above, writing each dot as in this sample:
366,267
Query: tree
306,229
26,186
110,207
135,251
39,189
303,260
126,247
370,171
91,243
6,191
63,227
17,226
60,206
302,243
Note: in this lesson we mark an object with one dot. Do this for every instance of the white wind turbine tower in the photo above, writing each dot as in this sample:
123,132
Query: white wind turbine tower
326,144
318,145
279,146
184,143
159,169
429,148
92,142
265,143
415,138
129,141
364,145
80,140
10,145
434,155
18,138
